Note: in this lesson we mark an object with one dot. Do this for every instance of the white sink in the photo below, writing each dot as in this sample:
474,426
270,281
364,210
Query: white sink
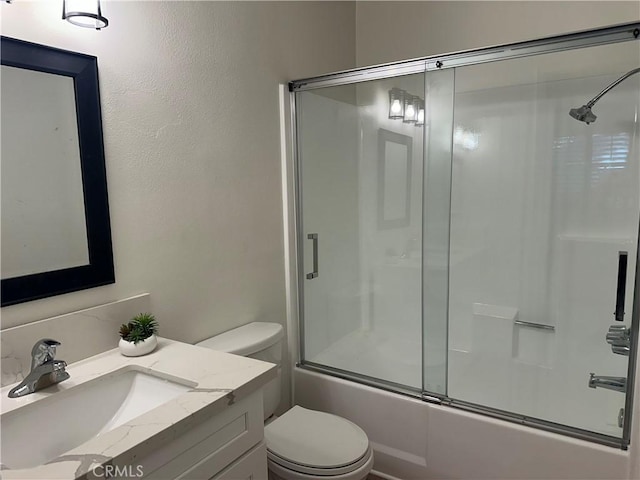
39,432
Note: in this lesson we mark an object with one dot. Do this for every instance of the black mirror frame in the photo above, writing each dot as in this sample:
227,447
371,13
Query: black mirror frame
100,270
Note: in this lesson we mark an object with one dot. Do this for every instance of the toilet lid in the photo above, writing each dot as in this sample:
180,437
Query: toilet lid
316,439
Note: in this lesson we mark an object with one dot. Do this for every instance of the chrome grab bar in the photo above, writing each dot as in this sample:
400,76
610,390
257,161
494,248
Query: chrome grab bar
540,326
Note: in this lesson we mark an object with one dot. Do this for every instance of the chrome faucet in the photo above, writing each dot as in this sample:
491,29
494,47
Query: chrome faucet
619,337
619,384
45,369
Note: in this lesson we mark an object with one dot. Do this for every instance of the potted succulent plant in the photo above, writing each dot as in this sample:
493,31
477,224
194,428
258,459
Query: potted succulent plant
138,337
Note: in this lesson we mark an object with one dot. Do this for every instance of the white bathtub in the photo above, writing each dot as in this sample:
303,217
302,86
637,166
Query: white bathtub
417,440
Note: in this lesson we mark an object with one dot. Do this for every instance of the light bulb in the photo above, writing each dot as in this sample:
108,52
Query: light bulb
396,103
458,135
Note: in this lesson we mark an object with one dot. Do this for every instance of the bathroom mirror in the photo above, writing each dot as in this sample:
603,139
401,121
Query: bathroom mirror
56,235
394,179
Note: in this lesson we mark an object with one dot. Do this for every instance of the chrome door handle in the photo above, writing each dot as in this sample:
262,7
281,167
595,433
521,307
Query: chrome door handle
314,274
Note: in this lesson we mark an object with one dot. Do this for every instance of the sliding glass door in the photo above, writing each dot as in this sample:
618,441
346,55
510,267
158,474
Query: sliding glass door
360,162
544,209
463,238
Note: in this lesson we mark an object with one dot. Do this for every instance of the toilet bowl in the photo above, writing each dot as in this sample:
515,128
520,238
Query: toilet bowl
302,444
306,444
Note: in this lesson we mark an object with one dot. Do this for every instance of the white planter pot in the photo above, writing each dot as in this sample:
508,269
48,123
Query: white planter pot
130,349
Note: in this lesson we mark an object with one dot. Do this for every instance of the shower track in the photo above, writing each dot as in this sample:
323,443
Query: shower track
559,43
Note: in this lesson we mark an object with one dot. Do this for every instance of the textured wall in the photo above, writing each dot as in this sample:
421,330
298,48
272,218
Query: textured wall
389,31
190,108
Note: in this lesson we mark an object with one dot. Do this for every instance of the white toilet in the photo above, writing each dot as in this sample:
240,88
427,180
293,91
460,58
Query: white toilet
302,444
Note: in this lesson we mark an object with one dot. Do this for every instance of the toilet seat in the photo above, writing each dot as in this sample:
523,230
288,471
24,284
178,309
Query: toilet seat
282,473
316,443
320,472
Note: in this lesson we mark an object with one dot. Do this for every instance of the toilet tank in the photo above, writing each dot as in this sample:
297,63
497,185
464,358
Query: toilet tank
259,340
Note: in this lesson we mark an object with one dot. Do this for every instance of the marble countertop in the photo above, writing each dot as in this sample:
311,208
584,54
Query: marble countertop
219,378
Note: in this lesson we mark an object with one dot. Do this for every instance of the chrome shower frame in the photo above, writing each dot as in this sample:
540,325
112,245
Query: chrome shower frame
559,43
583,39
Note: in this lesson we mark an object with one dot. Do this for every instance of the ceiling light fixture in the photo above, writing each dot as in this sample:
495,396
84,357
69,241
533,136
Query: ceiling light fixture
84,13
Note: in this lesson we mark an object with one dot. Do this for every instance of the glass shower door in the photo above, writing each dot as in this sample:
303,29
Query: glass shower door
439,92
360,176
476,255
543,208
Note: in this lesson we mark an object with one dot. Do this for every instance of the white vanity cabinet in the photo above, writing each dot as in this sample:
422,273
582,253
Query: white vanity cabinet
181,412
227,446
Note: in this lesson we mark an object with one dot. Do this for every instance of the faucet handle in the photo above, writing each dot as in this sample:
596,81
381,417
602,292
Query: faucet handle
621,349
619,335
43,351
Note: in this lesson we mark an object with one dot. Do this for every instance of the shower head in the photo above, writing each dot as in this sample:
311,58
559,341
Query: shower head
584,114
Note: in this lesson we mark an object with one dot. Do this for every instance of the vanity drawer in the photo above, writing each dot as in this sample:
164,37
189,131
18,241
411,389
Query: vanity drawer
211,446
252,466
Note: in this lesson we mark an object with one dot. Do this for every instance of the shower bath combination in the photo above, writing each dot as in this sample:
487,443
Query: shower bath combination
481,279
584,113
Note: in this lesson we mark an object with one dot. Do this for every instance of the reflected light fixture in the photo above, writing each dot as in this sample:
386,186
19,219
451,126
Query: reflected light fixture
411,107
466,139
420,118
396,103
84,13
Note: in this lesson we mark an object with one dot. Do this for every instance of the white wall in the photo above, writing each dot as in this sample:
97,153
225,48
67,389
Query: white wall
394,30
189,96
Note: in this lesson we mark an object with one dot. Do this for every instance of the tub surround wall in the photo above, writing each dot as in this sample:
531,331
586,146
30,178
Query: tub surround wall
83,334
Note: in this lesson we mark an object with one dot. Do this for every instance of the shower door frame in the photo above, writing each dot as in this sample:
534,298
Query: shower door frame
559,43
